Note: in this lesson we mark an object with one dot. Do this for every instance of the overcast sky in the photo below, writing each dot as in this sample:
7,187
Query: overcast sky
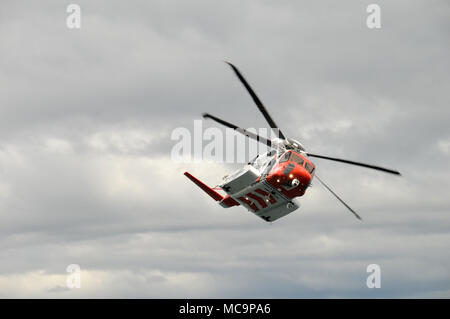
85,170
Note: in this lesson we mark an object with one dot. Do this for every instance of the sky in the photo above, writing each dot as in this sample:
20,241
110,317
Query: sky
87,178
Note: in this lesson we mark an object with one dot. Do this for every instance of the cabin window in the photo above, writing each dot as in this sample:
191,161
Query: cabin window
285,157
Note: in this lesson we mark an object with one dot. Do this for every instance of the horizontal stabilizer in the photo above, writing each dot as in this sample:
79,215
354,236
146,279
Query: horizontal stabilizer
211,192
225,201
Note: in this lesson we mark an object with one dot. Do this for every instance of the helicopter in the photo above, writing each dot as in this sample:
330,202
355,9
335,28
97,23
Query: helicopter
269,186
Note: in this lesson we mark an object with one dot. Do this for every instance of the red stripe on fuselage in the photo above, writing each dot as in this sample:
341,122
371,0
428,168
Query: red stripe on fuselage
272,200
249,203
259,199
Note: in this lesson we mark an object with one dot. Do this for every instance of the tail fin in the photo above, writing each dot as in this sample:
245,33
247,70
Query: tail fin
225,201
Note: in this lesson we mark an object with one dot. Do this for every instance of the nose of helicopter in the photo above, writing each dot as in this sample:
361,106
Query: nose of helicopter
291,175
301,174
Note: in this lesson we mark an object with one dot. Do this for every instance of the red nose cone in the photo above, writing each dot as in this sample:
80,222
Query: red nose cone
283,176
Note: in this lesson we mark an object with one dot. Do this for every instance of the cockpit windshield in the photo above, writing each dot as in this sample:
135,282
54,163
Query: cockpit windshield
297,158
291,156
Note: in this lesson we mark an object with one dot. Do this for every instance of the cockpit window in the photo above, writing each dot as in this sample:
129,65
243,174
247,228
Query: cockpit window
294,157
309,168
291,156
297,158
285,157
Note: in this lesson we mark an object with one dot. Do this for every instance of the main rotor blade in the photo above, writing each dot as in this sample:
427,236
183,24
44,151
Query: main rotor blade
355,163
349,208
240,130
258,102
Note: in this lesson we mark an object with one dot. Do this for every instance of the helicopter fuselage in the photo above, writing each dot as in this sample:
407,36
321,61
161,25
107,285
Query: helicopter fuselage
269,185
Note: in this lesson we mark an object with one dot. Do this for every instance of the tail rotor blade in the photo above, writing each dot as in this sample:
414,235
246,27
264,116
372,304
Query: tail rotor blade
339,199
